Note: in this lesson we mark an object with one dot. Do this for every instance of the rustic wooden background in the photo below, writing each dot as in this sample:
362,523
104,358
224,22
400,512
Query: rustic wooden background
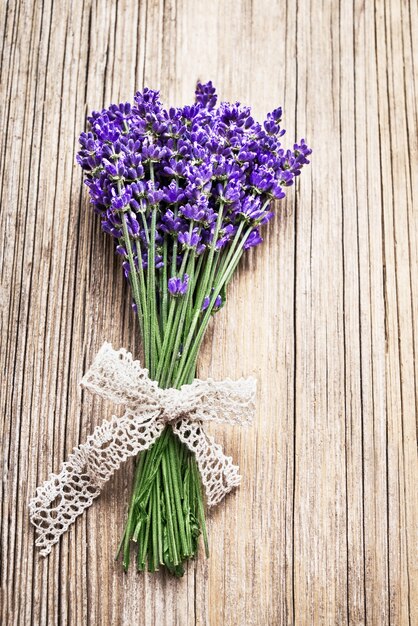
324,527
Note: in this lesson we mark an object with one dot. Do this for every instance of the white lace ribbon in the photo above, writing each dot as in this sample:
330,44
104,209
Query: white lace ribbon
115,376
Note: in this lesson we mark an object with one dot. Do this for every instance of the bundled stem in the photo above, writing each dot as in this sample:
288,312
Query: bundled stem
166,514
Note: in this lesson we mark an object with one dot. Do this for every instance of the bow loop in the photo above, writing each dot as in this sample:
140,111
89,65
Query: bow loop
228,401
115,376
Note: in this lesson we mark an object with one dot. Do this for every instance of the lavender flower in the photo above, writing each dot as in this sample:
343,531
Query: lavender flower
178,286
189,239
216,305
190,162
205,303
253,240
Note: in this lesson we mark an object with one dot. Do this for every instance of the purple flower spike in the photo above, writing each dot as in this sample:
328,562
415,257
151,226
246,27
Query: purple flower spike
206,302
194,212
122,251
126,268
170,224
177,286
189,240
155,195
218,302
253,240
120,202
206,95
132,224
216,305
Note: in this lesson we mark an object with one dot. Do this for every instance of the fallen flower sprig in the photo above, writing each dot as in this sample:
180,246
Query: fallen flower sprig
184,192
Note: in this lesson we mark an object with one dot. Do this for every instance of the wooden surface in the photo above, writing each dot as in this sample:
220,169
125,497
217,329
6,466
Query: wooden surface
324,527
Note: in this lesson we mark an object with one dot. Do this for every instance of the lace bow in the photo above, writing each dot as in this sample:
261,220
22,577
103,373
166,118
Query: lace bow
115,376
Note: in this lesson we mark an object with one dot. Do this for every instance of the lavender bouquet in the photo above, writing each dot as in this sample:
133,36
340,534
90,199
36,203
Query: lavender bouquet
184,192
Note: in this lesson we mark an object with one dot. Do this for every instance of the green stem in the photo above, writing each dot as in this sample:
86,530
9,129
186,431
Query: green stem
159,531
170,334
175,475
143,553
151,294
132,274
128,530
143,296
219,283
175,247
164,306
200,507
178,334
172,544
201,292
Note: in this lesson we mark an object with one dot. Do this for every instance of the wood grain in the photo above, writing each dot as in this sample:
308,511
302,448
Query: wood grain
324,527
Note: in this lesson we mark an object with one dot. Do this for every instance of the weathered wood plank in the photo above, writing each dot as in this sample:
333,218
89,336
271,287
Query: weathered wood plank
324,527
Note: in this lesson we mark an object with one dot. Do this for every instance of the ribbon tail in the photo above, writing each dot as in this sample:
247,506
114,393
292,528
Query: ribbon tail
219,474
65,496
